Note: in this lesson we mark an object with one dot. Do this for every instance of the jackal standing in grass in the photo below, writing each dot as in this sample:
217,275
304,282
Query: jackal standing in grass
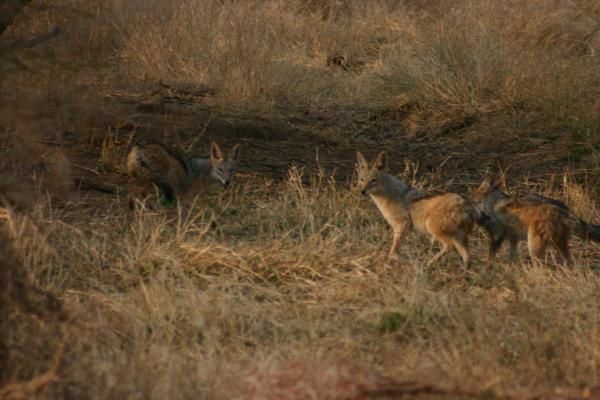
176,176
448,217
542,221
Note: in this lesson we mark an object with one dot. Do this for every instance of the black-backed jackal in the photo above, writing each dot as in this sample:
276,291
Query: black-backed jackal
447,218
542,221
177,177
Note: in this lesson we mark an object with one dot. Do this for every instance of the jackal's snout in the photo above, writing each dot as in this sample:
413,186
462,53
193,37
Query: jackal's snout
223,176
224,167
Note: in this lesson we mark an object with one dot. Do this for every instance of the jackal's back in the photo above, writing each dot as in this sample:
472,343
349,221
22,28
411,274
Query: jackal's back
547,220
147,160
447,213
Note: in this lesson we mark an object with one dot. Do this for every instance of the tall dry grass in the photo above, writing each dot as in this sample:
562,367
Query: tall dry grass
466,58
168,305
440,65
272,275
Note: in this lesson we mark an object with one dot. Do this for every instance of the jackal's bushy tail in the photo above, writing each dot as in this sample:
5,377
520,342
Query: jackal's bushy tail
584,230
581,228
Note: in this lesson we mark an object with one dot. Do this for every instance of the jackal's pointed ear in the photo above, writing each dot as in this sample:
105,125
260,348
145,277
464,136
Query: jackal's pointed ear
234,153
362,161
216,154
381,161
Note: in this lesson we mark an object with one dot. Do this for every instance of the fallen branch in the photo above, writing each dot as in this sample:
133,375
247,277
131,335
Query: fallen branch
83,167
83,184
21,44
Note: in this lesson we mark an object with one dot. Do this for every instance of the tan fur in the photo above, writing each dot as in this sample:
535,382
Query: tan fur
543,223
154,164
157,156
447,218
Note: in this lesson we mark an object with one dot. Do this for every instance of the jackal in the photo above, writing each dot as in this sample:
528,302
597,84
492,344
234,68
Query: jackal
448,217
154,164
542,221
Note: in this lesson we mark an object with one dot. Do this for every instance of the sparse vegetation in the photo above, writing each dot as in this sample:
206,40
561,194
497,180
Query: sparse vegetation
263,289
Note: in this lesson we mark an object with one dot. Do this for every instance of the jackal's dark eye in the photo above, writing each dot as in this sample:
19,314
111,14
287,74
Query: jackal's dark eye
373,180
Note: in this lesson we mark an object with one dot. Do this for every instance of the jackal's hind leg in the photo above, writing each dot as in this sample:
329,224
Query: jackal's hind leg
564,254
537,246
462,247
444,250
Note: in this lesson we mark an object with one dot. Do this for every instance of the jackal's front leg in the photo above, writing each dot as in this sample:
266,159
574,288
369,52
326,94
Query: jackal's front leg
399,231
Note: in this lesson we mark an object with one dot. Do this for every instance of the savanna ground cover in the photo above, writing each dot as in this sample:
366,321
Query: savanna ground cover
278,287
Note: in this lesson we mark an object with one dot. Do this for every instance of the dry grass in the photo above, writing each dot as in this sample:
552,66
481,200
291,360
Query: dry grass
262,290
445,57
163,305
450,61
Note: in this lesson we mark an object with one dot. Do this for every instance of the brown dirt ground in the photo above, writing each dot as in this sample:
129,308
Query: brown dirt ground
328,139
456,153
